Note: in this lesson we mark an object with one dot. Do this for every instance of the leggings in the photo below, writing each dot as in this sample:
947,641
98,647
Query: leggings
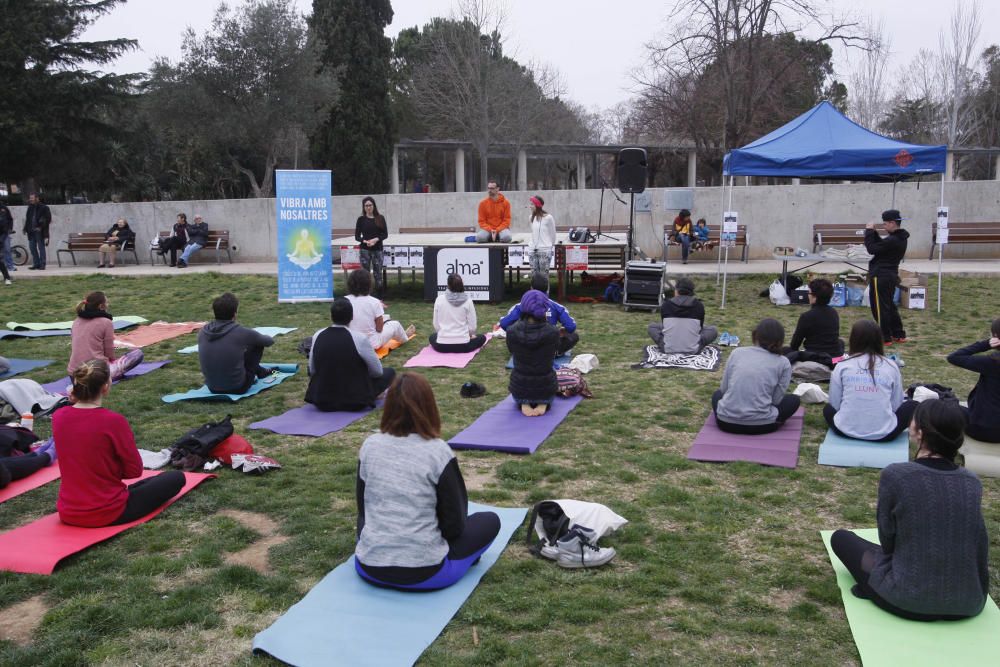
13,468
464,551
859,556
125,363
148,494
373,261
904,414
786,408
473,344
980,432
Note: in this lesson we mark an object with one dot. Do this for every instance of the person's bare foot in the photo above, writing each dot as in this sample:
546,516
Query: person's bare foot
410,330
527,410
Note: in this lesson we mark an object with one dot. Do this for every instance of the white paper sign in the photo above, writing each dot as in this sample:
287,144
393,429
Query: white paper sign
517,256
577,257
942,225
350,257
730,221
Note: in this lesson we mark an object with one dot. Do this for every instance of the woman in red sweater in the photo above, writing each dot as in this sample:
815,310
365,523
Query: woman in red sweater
93,337
98,451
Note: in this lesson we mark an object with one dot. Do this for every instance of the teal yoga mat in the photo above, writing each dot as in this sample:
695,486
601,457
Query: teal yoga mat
267,331
346,621
18,366
558,362
884,640
203,393
836,450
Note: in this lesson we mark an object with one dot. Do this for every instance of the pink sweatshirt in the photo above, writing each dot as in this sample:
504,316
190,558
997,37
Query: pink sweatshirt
92,339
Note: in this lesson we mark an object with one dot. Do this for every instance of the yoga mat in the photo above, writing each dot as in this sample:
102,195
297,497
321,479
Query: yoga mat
503,428
128,320
18,366
307,420
836,450
982,458
780,448
37,547
345,621
429,358
203,393
4,333
33,481
383,352
707,360
157,332
62,386
267,331
558,362
884,640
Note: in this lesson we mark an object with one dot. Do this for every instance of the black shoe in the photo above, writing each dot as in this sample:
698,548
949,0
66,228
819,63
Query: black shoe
181,264
32,268
173,263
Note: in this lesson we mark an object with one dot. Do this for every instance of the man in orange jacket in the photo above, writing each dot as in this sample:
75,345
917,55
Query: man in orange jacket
494,217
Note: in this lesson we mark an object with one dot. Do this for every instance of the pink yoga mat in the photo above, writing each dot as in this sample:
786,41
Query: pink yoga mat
429,357
307,420
37,547
40,478
155,333
780,448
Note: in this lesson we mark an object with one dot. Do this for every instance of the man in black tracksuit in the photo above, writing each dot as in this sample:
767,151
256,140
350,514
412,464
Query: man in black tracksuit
883,274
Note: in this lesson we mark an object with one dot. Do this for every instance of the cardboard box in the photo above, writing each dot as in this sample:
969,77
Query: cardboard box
913,297
912,279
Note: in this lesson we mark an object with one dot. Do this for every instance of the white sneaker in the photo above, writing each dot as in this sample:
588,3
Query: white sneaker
578,549
7,281
550,551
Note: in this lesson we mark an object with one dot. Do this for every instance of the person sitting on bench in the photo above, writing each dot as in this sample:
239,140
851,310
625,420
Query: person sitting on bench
455,320
414,530
97,452
197,238
93,337
555,313
369,315
818,329
494,216
177,239
681,233
932,560
533,343
344,371
866,390
984,401
117,237
701,236
682,329
229,353
752,398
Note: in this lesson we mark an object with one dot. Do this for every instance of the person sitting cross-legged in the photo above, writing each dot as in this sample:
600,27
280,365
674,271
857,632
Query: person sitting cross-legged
682,330
344,371
555,314
818,329
455,320
230,354
369,316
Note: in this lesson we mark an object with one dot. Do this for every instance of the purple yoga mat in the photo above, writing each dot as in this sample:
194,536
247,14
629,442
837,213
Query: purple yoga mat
503,428
307,420
429,357
59,386
780,448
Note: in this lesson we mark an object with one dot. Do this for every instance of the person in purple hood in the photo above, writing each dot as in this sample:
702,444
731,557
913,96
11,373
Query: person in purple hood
533,343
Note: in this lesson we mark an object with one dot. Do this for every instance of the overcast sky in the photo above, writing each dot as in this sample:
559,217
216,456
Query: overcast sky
594,44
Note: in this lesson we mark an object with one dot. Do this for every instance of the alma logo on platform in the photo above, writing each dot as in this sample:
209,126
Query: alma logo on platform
463,269
470,263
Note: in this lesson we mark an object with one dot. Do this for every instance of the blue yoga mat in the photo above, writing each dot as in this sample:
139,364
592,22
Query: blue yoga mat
346,621
558,362
203,393
18,366
6,333
836,450
267,331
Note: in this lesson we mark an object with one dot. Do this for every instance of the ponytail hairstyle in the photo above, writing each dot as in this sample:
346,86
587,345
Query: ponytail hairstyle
769,334
379,219
537,207
942,427
93,301
866,338
89,379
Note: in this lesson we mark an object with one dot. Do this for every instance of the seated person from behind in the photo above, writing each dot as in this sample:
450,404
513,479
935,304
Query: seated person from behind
455,320
369,315
229,353
555,313
983,412
93,337
414,530
752,398
818,329
931,563
683,329
344,372
494,217
533,343
866,390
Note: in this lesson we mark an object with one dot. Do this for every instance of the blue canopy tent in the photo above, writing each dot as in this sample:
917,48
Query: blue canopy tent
823,143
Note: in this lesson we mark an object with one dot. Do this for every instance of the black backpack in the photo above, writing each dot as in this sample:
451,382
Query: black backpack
15,438
555,524
199,442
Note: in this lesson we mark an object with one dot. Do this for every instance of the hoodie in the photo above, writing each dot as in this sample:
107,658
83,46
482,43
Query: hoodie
454,318
683,319
222,347
886,252
494,216
533,346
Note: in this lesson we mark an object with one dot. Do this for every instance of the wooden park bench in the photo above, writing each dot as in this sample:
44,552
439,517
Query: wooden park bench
967,232
217,239
714,238
838,233
90,242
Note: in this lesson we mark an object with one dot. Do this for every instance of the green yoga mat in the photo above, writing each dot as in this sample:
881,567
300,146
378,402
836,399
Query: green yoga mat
884,639
50,326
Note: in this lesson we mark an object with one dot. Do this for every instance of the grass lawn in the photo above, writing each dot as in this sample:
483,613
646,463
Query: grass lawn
719,565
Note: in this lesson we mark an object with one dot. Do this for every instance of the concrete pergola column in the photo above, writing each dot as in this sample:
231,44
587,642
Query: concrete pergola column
692,169
394,173
522,170
949,167
581,171
459,170
796,181
996,169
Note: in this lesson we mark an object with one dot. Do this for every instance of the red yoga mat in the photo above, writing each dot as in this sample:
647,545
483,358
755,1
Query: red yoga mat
33,481
36,548
156,332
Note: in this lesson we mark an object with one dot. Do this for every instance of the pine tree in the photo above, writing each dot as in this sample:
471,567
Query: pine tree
356,141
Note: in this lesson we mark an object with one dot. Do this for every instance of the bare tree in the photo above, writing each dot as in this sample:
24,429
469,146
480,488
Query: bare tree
868,79
958,53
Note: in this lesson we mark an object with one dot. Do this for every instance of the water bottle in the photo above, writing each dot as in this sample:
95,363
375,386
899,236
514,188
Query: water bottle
28,421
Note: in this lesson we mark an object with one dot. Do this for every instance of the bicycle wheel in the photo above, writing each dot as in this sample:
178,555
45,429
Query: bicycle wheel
19,254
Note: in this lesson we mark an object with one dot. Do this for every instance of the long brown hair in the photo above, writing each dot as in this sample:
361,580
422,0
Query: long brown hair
379,218
92,301
866,338
410,408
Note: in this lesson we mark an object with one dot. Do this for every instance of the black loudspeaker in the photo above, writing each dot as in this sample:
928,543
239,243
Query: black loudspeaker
632,169
644,283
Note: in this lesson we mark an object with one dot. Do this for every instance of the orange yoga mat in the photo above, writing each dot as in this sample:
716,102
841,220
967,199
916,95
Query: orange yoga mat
155,333
37,547
33,481
383,351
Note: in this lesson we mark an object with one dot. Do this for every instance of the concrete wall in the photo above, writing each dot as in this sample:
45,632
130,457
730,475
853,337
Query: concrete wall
780,215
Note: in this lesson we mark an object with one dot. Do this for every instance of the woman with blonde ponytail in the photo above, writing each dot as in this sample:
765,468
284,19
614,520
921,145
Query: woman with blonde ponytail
93,337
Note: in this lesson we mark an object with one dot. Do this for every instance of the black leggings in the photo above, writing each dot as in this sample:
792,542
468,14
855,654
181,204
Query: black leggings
473,344
858,556
979,432
567,340
904,414
786,408
13,468
148,494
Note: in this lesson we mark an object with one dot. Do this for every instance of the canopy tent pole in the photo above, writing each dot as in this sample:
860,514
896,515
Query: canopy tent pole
725,266
940,251
894,181
718,255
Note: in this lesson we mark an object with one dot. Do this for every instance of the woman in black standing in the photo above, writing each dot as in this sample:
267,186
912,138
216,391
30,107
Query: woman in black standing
369,232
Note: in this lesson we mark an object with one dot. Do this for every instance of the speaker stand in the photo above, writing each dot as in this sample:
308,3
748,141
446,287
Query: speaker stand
600,214
631,221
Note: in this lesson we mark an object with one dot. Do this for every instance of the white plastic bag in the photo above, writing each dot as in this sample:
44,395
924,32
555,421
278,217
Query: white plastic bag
777,294
600,519
584,362
811,393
